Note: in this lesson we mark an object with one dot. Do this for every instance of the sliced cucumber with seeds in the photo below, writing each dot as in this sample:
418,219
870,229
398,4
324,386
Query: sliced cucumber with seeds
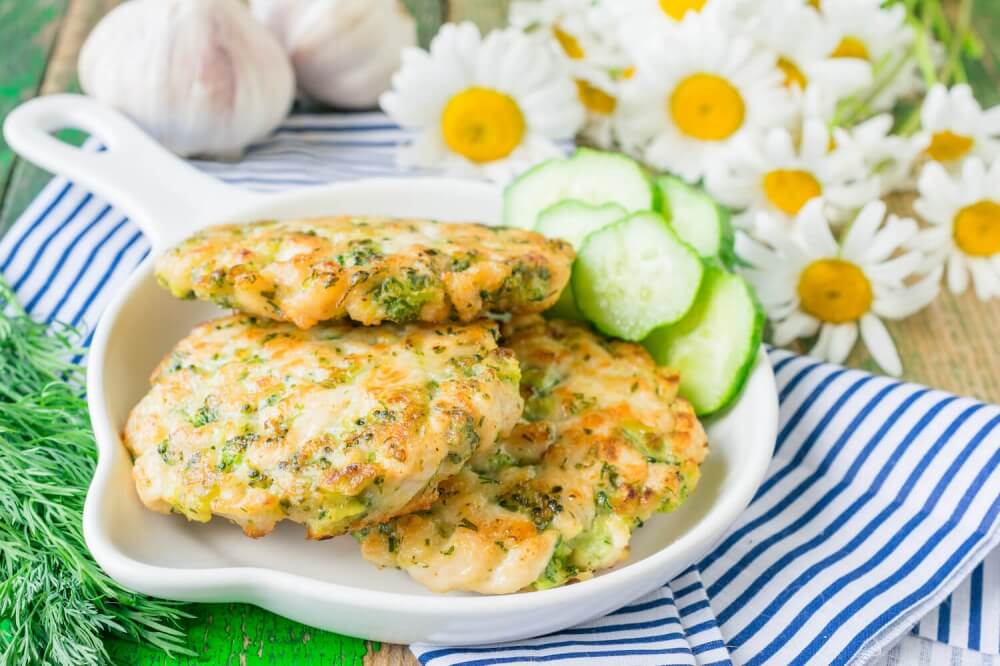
635,275
573,221
715,346
697,218
589,176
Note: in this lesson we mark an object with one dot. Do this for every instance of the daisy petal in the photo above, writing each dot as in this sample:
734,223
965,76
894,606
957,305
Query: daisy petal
991,121
821,349
928,240
983,279
796,325
958,274
902,303
862,231
893,236
973,177
895,270
815,230
931,113
842,341
934,183
815,142
879,343
753,252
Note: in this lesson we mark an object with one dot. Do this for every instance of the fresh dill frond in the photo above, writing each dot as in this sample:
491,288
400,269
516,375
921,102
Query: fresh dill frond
56,604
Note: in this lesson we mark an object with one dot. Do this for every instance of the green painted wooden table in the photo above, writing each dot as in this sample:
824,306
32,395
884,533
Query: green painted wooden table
951,345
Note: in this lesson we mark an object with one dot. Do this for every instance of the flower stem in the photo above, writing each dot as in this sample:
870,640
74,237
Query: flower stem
953,69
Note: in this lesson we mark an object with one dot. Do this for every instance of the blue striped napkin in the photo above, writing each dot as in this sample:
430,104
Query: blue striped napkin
878,511
881,497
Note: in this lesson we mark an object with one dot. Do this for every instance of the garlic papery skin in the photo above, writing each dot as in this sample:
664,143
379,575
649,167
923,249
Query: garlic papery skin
344,51
201,76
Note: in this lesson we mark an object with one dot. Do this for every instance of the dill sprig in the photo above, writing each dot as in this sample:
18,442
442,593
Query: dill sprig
56,604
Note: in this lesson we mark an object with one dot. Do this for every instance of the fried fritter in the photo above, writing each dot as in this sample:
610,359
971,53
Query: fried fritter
336,427
604,443
368,269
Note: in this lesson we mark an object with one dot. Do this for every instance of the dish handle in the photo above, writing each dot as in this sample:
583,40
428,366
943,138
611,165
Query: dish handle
168,198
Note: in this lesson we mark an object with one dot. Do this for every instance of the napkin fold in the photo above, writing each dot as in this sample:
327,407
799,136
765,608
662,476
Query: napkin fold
873,523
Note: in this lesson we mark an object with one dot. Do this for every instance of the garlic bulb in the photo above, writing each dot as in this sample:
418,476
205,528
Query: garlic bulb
344,51
201,76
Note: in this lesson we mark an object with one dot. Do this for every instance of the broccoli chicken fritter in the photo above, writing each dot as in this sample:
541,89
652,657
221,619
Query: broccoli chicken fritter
335,427
604,443
368,269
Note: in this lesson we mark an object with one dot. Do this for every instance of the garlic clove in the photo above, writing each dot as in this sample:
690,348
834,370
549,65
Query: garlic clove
200,76
344,51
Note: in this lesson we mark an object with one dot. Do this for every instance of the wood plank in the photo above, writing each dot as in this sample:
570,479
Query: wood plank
246,635
27,32
392,655
26,179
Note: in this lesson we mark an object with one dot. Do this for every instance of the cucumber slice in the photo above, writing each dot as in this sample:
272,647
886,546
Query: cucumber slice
590,176
573,221
697,218
635,275
714,347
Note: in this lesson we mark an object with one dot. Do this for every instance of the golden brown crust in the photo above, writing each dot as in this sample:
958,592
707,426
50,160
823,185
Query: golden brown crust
368,269
604,443
335,427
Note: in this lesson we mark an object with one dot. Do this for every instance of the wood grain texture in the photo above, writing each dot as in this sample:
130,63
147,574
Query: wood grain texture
28,32
237,634
952,345
75,23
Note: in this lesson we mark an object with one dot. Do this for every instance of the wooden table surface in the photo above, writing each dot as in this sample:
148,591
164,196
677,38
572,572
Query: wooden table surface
952,345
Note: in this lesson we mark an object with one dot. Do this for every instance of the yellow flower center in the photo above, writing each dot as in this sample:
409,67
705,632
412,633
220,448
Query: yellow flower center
594,99
947,146
707,107
676,9
977,229
834,291
793,75
570,44
851,47
815,4
790,189
482,124
628,72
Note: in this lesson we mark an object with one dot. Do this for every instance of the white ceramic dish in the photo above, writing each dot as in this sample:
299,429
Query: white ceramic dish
325,584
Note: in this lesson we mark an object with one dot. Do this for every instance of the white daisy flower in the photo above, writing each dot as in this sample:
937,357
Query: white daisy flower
887,156
804,44
584,31
779,175
640,18
868,32
695,91
812,286
488,106
599,96
958,126
965,213
585,35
